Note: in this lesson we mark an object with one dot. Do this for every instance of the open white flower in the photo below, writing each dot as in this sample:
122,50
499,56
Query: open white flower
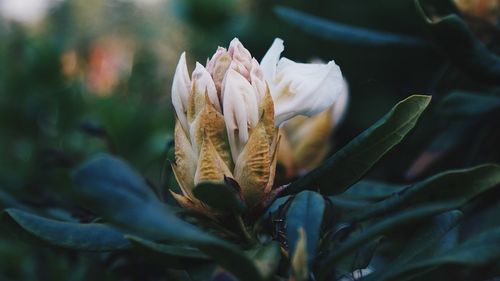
299,88
227,117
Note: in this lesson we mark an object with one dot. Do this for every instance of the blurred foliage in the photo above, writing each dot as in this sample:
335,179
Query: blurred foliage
94,77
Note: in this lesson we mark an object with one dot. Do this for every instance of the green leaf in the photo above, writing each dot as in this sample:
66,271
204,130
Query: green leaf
382,227
349,164
220,196
115,191
267,258
305,211
79,236
171,255
451,34
456,187
335,31
480,250
468,105
371,190
426,237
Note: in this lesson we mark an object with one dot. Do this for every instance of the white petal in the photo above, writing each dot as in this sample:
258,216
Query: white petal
304,89
180,91
341,104
270,60
203,83
240,110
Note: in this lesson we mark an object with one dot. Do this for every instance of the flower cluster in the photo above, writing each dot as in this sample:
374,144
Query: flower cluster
229,112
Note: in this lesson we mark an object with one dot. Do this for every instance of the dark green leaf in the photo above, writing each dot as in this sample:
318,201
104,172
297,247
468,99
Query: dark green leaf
79,236
266,258
479,250
429,235
219,196
451,34
457,187
129,204
277,205
468,105
332,30
371,190
382,227
305,211
171,255
349,164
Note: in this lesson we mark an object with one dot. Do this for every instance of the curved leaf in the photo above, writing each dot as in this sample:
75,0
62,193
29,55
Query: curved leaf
468,105
456,187
350,163
332,30
306,212
380,228
125,203
79,236
479,250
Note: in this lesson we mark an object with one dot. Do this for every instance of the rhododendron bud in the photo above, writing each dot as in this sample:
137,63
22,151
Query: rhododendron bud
226,123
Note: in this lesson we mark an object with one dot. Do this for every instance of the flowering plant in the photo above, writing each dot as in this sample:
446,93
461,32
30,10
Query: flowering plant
235,122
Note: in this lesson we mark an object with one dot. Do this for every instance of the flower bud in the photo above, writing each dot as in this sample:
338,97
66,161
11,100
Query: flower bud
226,120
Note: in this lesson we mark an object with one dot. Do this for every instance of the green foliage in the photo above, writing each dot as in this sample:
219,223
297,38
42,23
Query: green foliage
79,236
350,163
305,212
428,211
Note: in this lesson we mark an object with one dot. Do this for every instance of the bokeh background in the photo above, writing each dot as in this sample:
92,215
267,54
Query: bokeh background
81,77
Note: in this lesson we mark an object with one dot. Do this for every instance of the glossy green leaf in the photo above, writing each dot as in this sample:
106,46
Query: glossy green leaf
383,227
349,164
128,203
335,31
305,211
479,250
220,196
79,236
457,187
452,35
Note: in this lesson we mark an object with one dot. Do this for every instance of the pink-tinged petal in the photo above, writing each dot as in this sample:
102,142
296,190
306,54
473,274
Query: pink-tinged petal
215,58
203,83
240,110
241,58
